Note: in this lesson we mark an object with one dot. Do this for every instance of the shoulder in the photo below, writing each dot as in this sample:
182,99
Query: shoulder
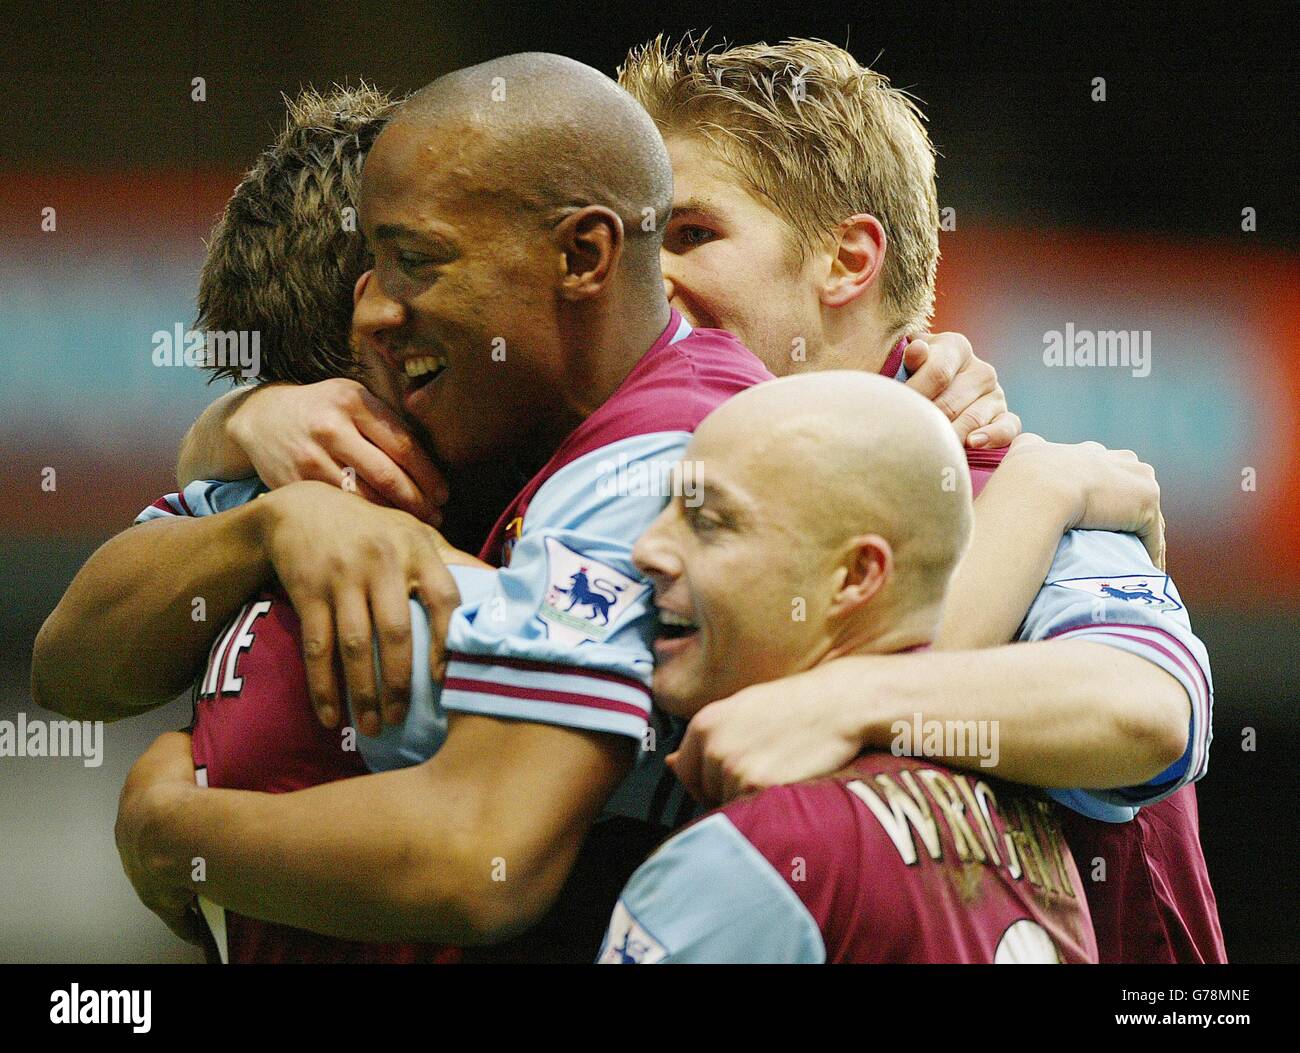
676,385
808,832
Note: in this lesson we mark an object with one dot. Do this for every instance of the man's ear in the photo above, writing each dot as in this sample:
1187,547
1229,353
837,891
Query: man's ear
858,260
868,565
359,289
591,244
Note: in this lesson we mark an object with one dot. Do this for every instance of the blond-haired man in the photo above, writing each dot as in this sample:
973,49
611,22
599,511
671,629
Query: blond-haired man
805,220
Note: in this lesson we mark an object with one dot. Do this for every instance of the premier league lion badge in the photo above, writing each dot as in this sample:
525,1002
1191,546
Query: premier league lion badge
585,599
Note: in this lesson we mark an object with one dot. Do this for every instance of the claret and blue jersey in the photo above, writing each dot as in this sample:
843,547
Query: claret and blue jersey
561,632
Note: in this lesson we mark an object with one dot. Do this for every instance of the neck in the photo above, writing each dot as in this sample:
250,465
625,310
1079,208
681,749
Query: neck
884,635
856,339
603,340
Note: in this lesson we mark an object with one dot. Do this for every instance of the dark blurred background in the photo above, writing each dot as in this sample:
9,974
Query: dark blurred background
1118,214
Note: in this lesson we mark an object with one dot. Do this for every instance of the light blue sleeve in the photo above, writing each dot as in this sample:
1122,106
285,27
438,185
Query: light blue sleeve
424,729
1103,588
708,896
204,497
565,635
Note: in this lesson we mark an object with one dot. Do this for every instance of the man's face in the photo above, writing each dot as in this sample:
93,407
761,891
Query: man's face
461,300
729,262
740,584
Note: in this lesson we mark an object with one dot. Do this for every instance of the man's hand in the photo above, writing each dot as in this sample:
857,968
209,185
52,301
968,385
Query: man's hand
1108,489
337,432
943,368
156,782
765,735
350,568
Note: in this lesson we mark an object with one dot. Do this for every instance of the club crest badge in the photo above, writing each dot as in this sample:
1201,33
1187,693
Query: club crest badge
585,599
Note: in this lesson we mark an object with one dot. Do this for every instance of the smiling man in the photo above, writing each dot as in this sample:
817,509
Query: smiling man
284,860
828,488
812,179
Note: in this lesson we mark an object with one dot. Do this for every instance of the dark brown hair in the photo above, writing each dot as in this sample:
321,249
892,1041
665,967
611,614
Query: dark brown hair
285,254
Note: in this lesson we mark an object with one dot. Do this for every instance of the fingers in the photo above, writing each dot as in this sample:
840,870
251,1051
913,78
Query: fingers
356,649
915,354
975,388
372,465
685,764
943,359
317,622
936,370
1001,431
713,779
417,474
438,592
391,610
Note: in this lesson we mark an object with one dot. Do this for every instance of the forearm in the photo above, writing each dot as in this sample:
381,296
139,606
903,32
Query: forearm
1016,532
208,451
1068,714
124,637
471,846
348,859
389,856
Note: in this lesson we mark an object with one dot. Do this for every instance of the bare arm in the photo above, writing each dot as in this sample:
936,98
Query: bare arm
1063,713
207,451
333,432
124,636
1041,491
470,847
1063,710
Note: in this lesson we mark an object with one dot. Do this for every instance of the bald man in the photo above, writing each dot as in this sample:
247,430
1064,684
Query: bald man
517,288
790,561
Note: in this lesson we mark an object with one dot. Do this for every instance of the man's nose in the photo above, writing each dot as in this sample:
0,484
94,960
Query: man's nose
653,554
377,316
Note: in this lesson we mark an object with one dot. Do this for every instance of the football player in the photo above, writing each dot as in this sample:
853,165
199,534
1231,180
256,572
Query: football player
829,487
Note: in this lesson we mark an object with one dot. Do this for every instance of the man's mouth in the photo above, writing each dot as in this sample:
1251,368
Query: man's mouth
423,370
674,626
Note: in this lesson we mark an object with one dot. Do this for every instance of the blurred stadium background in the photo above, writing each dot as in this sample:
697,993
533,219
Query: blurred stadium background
1123,214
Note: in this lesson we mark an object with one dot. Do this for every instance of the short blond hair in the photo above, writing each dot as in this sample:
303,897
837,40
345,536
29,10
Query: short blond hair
816,135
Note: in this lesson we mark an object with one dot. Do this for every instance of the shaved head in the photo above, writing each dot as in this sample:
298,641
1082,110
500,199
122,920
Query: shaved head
851,453
516,212
550,134
833,510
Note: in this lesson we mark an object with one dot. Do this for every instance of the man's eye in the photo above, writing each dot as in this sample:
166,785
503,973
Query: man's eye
410,261
702,522
691,235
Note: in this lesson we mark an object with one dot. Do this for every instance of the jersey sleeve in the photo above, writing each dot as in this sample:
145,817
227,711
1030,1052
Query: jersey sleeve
1103,588
565,635
204,497
709,896
424,729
